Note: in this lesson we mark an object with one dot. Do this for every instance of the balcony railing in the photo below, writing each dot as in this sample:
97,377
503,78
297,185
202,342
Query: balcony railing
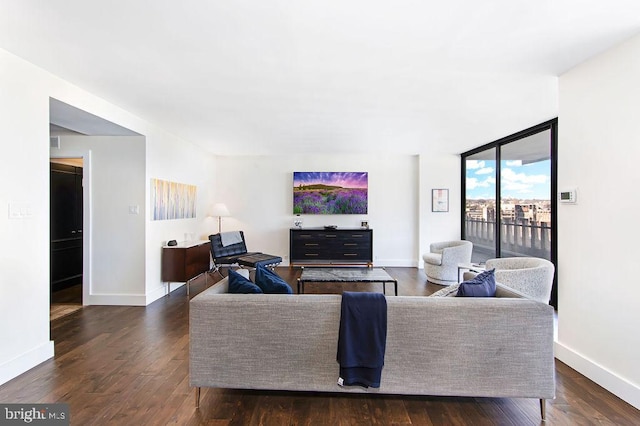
517,238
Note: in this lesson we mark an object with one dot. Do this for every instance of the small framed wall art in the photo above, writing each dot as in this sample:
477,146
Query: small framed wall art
439,200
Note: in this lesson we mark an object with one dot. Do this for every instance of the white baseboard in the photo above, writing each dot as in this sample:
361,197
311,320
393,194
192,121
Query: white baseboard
26,361
615,384
157,294
162,291
118,299
395,263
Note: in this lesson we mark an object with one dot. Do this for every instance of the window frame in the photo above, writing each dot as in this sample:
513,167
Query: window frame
552,126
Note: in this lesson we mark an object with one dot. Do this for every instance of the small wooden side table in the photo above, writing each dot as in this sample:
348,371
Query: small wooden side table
185,262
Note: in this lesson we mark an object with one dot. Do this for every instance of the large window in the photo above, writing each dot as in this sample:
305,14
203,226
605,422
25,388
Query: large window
508,194
480,206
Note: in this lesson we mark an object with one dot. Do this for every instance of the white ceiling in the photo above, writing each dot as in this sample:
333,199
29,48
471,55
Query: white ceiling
263,76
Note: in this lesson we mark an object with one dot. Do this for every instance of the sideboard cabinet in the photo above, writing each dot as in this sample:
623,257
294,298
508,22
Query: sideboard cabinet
184,262
320,246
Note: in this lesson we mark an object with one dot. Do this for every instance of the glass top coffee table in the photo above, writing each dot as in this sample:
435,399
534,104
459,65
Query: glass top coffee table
346,275
473,267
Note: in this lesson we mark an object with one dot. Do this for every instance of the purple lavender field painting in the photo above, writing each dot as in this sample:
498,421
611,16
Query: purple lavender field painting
330,192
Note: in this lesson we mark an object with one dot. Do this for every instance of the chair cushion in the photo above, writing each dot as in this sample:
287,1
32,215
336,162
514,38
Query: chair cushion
240,284
270,282
218,251
254,259
482,285
433,258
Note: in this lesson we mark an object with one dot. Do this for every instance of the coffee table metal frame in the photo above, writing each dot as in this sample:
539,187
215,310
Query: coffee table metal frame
473,267
346,275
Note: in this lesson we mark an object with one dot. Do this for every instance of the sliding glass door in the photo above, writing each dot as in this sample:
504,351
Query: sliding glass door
525,197
508,194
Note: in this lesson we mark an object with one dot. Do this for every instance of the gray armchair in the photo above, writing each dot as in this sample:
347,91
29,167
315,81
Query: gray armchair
531,276
441,263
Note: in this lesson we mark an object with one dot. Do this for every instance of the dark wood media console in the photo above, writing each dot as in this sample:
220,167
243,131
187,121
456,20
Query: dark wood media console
320,246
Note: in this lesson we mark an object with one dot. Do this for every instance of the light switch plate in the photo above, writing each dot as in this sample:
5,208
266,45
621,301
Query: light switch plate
20,210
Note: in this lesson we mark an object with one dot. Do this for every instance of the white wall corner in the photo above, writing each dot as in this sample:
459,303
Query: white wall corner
160,292
26,361
615,384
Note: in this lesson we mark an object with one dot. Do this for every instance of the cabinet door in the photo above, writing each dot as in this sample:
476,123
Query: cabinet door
197,260
65,202
78,201
66,263
65,225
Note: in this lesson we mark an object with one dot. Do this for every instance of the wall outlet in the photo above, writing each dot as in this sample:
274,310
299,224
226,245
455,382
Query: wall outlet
134,210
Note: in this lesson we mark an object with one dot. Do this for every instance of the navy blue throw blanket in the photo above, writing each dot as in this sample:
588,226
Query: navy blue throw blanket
362,338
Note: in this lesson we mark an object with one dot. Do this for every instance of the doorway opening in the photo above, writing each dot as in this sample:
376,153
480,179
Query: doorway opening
72,241
66,236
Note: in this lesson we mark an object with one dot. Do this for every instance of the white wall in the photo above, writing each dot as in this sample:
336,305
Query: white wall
439,171
598,152
115,172
24,255
258,190
167,159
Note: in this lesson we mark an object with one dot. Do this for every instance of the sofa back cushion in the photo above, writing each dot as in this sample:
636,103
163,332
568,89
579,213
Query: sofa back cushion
270,282
240,284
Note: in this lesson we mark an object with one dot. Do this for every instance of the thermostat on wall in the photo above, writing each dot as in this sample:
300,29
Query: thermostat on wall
567,196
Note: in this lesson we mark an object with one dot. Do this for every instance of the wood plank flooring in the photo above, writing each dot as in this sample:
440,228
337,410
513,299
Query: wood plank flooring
65,301
129,366
59,310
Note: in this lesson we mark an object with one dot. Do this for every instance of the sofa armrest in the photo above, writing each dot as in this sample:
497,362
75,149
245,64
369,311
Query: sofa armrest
501,291
220,287
506,291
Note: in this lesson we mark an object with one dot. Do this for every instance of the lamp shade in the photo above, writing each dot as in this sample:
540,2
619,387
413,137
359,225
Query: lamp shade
220,210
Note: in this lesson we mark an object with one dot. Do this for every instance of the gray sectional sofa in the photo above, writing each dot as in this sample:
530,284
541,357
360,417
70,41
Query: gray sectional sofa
440,346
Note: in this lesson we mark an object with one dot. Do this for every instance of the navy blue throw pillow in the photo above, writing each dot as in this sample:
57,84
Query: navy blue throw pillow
270,282
239,284
482,285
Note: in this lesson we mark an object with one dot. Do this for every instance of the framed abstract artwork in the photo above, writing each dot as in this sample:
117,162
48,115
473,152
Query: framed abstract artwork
439,200
172,200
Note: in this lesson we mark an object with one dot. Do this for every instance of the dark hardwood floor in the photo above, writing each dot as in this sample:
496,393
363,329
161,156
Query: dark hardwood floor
65,301
69,295
130,366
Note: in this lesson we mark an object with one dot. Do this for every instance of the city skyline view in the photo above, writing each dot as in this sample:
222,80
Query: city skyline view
519,181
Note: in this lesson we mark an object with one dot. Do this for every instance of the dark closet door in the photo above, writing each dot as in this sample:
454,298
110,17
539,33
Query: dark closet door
66,226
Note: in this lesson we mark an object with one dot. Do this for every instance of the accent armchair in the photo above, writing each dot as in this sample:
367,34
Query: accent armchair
441,263
531,276
234,253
